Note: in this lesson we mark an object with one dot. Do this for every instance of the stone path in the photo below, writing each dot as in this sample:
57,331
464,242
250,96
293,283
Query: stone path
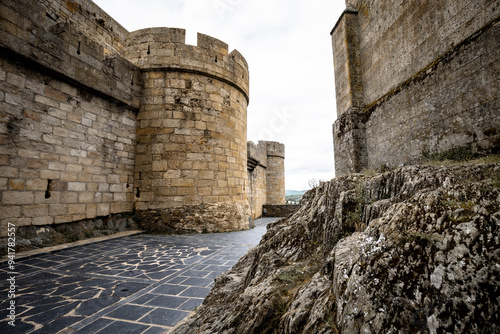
137,284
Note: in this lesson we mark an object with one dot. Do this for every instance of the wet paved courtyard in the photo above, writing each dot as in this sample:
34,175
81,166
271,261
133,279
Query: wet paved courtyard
136,284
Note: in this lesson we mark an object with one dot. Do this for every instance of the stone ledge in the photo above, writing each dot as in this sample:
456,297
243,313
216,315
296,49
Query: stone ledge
32,238
279,210
67,246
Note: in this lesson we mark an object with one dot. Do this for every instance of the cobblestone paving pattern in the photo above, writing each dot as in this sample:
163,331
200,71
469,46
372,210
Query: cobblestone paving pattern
138,284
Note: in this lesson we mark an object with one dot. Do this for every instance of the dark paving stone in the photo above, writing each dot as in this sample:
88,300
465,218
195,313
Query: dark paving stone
66,289
195,292
130,312
207,252
169,289
126,289
192,260
191,304
42,277
164,317
109,272
38,300
73,279
57,325
195,281
143,277
200,267
196,273
74,291
89,279
215,262
73,265
59,258
95,305
167,301
98,282
32,261
146,267
20,327
123,328
218,268
144,299
95,326
37,308
155,330
52,314
178,267
160,275
47,264
25,269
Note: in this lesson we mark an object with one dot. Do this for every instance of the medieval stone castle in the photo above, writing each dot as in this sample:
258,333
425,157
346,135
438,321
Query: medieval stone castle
97,121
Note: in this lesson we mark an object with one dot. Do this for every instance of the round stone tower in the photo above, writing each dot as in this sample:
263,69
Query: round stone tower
191,135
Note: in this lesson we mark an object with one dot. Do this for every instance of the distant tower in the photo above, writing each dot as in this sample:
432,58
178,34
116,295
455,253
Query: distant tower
191,153
275,173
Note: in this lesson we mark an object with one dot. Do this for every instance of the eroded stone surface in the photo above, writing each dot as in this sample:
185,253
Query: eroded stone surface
415,250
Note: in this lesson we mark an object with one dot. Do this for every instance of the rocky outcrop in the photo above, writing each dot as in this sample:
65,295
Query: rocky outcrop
415,250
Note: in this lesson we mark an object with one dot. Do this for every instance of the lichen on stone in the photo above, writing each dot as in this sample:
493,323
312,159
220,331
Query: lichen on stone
424,258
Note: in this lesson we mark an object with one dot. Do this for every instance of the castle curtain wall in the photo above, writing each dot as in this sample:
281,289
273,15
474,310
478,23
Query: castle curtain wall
429,81
96,121
67,116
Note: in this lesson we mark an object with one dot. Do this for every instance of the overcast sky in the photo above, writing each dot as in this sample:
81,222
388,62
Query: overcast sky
287,45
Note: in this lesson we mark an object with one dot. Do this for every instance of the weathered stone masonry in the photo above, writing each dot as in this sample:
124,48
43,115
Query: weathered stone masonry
96,121
191,131
266,175
415,78
67,115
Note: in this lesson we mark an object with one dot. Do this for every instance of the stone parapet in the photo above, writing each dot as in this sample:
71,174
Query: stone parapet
205,218
279,210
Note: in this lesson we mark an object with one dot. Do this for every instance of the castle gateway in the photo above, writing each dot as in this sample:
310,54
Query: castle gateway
97,121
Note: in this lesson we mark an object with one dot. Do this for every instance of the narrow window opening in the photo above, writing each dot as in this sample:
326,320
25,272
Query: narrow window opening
47,192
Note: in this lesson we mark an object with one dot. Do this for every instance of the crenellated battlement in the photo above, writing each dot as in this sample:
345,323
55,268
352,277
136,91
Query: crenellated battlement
165,48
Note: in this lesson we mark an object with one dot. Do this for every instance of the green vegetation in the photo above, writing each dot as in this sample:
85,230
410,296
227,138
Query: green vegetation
292,274
459,155
355,210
